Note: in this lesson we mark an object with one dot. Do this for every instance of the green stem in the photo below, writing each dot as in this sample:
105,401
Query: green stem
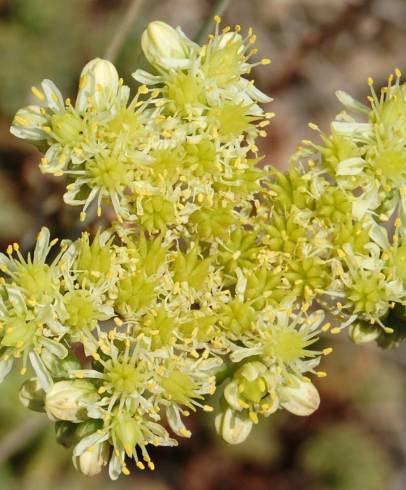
123,29
219,7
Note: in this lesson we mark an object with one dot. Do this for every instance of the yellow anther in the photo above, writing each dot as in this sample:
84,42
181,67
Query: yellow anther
237,28
38,94
140,465
398,73
327,351
23,371
96,356
151,466
217,19
263,124
128,449
143,89
388,330
207,408
82,81
9,249
126,471
335,330
82,216
340,253
101,390
370,81
118,321
254,417
21,121
321,374
185,433
326,327
265,61
16,246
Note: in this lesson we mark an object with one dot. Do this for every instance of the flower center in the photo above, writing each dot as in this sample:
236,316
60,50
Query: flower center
124,378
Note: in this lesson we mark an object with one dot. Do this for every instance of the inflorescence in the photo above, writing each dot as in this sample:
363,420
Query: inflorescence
217,274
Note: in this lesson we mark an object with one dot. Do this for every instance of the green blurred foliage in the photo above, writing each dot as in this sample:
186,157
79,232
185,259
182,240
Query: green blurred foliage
40,38
53,39
345,458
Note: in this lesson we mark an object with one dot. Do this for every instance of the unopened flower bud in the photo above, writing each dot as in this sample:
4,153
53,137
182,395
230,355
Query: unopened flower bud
362,332
99,82
93,459
67,400
300,397
69,433
164,46
232,426
249,387
65,433
32,396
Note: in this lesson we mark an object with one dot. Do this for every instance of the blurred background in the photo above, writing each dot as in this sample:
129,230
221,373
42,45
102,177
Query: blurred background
357,440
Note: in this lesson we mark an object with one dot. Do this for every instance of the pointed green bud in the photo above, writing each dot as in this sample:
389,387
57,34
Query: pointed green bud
93,459
32,396
232,426
164,47
127,432
299,397
67,400
362,332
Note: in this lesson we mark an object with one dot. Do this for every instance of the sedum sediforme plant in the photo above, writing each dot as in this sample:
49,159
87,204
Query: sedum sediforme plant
217,273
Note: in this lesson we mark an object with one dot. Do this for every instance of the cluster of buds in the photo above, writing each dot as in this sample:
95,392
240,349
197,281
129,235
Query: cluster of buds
217,274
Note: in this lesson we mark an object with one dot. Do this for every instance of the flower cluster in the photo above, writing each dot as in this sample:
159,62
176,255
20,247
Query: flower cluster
218,274
356,206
